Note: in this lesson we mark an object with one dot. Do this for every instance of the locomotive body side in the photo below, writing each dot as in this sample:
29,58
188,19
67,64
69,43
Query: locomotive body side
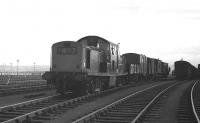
109,72
67,66
110,52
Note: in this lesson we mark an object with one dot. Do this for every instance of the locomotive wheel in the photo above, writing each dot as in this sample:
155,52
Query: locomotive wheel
80,89
59,86
87,90
90,87
95,86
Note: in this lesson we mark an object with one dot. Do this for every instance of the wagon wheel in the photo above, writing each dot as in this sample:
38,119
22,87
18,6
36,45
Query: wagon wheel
59,86
80,89
87,89
91,86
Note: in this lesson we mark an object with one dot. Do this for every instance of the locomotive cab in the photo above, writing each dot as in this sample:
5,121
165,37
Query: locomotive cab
91,61
74,64
66,65
66,57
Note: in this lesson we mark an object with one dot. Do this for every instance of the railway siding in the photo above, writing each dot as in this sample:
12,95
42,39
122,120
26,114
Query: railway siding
164,109
12,113
161,109
87,108
23,87
195,100
122,110
185,111
154,101
43,111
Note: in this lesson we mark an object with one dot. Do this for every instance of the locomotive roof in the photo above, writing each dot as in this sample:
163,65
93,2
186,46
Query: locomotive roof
185,62
60,42
96,37
182,61
130,54
134,54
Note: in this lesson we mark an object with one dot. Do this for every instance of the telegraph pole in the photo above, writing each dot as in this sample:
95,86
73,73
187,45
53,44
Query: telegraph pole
34,67
17,66
10,68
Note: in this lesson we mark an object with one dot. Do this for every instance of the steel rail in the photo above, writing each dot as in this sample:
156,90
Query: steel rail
192,102
28,116
150,104
13,91
26,102
37,112
112,104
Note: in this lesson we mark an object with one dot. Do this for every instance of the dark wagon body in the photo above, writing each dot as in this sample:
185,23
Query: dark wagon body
185,70
141,67
135,65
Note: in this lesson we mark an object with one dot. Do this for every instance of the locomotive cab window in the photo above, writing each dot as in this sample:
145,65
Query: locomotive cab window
113,50
87,58
66,50
113,65
92,42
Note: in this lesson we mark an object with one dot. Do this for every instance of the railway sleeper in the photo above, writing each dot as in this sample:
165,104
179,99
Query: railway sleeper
119,114
116,118
8,116
123,111
2,119
109,121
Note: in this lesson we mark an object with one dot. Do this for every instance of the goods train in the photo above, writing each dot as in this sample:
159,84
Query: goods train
93,64
185,70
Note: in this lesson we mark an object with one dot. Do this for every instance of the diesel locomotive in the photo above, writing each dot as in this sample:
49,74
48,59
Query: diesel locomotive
93,64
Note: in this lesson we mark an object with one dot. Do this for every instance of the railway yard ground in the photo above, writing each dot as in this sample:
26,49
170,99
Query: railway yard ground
25,86
165,111
22,97
165,114
162,105
86,108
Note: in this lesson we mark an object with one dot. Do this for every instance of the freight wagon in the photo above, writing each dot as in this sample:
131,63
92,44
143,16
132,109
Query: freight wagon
185,70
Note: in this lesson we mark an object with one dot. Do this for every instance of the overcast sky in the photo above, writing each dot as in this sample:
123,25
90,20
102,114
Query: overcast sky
164,29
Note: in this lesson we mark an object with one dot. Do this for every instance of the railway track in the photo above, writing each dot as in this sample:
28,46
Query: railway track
195,100
17,88
13,113
129,109
21,83
36,109
189,107
11,91
153,113
47,109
